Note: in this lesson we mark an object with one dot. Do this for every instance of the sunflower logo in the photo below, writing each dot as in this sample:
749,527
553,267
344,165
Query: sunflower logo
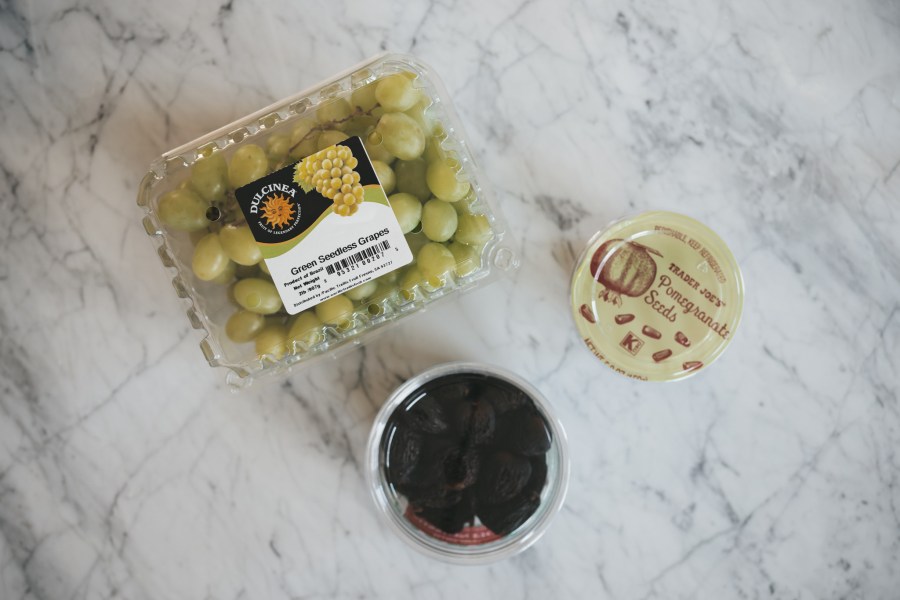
278,211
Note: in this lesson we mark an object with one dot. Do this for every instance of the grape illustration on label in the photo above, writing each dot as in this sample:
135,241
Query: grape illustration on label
330,172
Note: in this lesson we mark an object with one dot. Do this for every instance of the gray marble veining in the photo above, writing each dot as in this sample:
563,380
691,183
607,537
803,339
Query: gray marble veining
128,470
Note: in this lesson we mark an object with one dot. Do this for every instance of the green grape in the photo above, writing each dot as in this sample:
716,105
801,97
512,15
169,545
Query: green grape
209,177
439,220
225,277
442,181
435,261
239,244
196,236
306,329
264,268
304,139
396,93
465,205
389,277
183,210
411,281
473,230
375,148
278,146
257,295
401,136
335,311
411,178
385,176
433,150
383,292
415,241
363,98
243,326
272,341
361,291
407,209
330,138
248,163
333,111
210,259
360,125
468,258
417,114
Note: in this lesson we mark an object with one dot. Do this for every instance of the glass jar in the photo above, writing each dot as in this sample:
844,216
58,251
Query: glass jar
475,544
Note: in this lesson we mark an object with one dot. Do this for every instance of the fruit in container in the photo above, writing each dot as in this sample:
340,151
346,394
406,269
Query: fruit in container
396,117
462,448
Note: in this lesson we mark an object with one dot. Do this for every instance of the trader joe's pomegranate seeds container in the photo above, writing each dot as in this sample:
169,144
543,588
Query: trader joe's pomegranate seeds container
657,296
308,225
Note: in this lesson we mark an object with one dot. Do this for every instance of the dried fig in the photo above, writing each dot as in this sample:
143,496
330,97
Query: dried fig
431,497
460,415
524,432
427,415
446,464
504,518
450,392
482,423
505,399
451,519
538,478
503,476
403,456
461,469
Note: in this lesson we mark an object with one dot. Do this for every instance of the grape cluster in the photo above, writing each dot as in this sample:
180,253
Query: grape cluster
330,172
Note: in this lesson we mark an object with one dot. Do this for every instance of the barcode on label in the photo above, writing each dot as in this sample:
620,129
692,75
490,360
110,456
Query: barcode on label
355,258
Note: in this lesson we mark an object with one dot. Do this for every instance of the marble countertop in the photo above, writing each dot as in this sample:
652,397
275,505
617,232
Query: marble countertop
129,470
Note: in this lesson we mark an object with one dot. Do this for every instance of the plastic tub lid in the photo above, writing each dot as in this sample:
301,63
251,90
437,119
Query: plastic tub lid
657,297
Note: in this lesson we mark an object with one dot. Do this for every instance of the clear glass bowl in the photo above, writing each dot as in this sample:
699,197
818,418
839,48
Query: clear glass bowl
392,506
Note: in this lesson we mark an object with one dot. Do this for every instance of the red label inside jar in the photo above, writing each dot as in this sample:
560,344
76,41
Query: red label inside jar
469,536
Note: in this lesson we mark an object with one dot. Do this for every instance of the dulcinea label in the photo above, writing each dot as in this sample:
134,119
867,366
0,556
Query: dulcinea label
324,225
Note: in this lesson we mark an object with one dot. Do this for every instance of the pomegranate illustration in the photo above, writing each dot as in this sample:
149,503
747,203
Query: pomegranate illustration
623,267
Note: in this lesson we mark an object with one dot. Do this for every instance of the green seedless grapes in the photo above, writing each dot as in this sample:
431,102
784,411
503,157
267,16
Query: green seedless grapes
428,191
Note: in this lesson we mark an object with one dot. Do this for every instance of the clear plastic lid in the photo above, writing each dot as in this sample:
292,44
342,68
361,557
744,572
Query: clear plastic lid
657,297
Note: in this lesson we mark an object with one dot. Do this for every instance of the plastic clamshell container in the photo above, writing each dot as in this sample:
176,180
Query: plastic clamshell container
211,304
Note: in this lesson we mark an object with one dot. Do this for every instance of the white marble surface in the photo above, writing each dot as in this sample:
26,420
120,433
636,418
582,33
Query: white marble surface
128,470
